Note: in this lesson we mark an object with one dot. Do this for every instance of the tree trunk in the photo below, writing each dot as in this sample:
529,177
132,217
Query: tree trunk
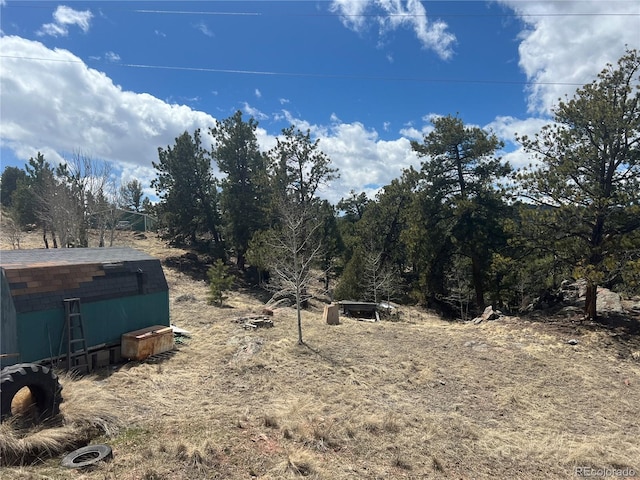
476,272
240,262
590,302
298,308
595,261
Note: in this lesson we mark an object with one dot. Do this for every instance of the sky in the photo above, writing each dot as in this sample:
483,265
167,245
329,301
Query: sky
116,80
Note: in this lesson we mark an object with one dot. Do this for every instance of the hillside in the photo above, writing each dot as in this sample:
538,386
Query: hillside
416,398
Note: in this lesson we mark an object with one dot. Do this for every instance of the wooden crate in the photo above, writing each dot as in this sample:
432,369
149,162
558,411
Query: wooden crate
143,343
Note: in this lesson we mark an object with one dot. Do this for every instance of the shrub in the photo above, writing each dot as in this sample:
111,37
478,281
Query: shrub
219,282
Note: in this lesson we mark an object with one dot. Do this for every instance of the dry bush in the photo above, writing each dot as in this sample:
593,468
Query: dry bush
297,463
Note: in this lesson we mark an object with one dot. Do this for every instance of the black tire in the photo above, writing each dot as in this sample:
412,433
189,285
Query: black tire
40,380
86,456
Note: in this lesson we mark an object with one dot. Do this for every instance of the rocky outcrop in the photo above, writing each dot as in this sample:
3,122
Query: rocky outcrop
488,314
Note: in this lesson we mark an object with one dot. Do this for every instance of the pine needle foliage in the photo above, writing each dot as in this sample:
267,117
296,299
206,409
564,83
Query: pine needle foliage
219,282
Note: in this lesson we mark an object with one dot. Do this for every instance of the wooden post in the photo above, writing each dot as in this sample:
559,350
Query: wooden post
331,315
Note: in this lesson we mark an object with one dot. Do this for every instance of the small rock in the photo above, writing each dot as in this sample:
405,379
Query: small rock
570,311
572,341
186,298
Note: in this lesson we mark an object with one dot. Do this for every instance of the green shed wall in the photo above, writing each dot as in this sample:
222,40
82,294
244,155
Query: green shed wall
8,334
120,289
139,222
40,333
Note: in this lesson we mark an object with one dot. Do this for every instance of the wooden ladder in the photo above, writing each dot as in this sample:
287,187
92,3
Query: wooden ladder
77,355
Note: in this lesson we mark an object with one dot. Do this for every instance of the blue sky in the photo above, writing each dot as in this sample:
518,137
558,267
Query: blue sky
117,80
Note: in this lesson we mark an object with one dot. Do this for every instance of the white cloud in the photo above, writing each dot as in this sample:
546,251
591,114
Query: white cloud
55,104
64,17
258,93
351,13
112,57
391,15
566,44
412,133
266,141
204,29
283,101
254,112
365,161
54,30
507,129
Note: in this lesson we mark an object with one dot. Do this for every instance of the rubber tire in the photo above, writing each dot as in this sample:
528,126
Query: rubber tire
43,383
101,452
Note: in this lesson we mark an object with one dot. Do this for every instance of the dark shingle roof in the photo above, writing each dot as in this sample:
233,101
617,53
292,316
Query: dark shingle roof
66,256
42,279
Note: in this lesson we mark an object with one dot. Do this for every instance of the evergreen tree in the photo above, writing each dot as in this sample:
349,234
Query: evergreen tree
351,285
243,189
131,195
460,176
219,282
353,206
11,177
188,206
35,200
330,240
588,179
298,166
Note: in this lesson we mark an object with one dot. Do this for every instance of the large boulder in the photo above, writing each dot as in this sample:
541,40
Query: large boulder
488,314
574,293
608,301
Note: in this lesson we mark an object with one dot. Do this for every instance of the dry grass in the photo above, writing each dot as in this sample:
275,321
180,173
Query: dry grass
87,412
419,398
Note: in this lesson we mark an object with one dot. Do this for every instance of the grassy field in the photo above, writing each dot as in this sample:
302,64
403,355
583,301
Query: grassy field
417,398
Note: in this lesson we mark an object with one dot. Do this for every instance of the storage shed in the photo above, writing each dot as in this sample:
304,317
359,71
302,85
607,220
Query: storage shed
120,290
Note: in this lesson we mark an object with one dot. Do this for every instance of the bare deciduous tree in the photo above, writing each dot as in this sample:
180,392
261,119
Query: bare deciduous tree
294,247
381,280
11,231
79,199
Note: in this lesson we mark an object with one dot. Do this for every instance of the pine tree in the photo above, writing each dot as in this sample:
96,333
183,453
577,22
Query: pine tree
461,172
244,209
188,206
219,282
587,183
